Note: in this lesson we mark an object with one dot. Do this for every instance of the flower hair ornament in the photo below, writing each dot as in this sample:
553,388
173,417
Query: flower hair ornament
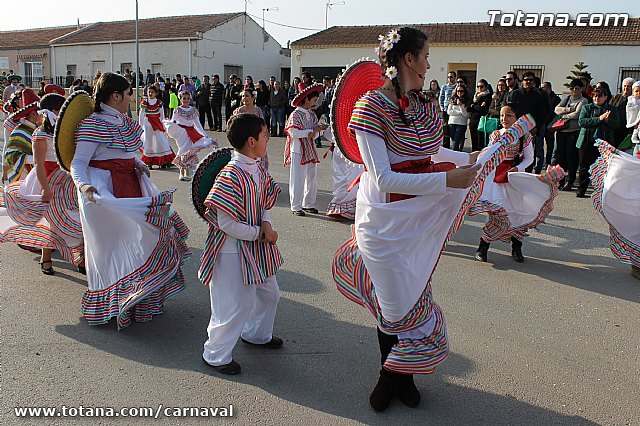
387,43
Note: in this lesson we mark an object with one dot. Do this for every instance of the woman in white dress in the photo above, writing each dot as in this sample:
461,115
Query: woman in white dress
135,244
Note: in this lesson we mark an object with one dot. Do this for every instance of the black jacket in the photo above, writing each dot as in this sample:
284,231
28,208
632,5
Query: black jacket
479,107
531,102
202,94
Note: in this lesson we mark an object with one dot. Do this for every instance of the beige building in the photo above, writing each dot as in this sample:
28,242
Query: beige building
477,50
28,53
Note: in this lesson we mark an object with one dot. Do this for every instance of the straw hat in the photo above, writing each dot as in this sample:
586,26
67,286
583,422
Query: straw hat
356,80
75,109
205,175
54,88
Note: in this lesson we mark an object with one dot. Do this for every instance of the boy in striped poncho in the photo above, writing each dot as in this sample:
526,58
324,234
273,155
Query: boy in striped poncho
240,258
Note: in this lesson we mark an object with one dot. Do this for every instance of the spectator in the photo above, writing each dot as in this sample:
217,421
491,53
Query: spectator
328,97
43,83
530,101
202,100
549,135
620,101
272,82
458,116
598,120
499,98
434,89
174,102
306,78
150,78
216,99
228,97
179,81
445,96
512,82
128,75
248,83
188,87
293,91
68,79
277,105
479,107
566,154
262,98
166,99
196,81
587,88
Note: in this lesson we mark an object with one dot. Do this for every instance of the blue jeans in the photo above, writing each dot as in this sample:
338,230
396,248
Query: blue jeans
277,119
457,131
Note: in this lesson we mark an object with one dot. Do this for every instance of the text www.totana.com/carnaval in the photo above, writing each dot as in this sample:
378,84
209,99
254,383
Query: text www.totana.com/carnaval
522,19
141,412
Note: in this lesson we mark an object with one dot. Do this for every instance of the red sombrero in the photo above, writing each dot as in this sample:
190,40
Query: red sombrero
304,91
30,102
356,80
54,88
7,108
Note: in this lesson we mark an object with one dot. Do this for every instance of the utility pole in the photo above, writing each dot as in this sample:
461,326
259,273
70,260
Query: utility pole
326,11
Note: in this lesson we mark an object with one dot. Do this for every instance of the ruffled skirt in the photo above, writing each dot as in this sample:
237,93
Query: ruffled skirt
187,156
135,249
343,203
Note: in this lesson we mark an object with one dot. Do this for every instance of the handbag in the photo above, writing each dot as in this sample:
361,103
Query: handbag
488,124
559,124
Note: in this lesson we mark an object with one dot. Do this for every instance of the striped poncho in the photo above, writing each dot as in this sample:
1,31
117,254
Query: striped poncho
235,193
299,120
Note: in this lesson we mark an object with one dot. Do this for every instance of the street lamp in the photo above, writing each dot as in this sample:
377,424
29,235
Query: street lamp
266,9
326,11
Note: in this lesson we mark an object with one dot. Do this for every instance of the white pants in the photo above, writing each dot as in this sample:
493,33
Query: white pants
303,184
237,310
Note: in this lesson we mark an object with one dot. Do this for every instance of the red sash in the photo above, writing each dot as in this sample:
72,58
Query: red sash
502,171
124,178
418,166
156,124
50,167
194,135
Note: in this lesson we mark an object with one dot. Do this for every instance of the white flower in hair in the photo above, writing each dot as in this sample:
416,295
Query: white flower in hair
381,37
387,45
393,36
391,72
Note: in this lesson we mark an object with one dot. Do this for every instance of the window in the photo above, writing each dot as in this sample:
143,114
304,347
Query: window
538,70
33,73
156,68
126,66
232,69
72,70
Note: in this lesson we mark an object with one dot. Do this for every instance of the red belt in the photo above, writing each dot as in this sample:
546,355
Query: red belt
124,178
50,167
502,171
418,166
156,124
194,135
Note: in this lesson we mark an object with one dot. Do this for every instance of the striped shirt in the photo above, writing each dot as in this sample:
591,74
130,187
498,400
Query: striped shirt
376,115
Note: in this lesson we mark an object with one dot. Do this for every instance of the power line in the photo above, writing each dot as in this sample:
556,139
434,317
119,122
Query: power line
284,25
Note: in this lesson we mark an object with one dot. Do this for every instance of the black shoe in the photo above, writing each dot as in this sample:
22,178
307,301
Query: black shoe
274,343
310,210
230,369
581,195
407,390
516,253
382,394
318,145
82,270
568,186
49,270
483,249
298,212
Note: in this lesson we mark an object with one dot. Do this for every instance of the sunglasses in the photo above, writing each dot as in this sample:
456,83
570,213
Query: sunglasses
451,76
509,78
459,91
460,81
527,79
480,86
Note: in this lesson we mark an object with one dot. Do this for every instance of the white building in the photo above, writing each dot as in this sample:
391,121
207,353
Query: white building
196,45
477,50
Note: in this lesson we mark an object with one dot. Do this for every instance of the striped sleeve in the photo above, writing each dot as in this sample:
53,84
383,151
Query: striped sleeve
368,117
224,193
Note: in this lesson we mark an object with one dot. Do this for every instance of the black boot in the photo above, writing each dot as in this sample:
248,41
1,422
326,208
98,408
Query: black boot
481,253
382,394
407,390
568,186
385,388
516,250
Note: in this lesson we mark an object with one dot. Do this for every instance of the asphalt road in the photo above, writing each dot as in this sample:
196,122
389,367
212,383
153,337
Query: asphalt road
555,340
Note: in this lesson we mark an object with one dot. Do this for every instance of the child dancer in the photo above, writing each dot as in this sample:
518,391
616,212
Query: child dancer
505,189
240,258
300,152
345,174
155,145
18,155
188,133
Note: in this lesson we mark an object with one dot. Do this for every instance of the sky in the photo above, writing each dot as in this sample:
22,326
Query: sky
308,14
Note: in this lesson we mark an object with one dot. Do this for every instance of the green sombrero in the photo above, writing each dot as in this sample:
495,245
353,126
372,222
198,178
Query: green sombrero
76,108
14,77
205,175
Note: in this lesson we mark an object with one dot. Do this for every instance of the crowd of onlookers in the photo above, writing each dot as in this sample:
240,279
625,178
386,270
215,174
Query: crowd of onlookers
567,124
